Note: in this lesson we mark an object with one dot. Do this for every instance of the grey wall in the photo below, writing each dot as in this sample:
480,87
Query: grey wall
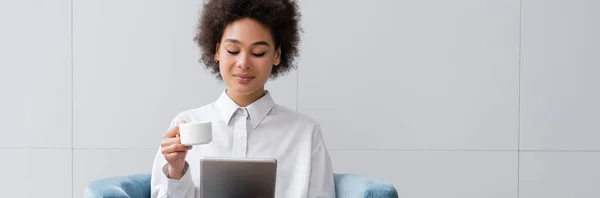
457,99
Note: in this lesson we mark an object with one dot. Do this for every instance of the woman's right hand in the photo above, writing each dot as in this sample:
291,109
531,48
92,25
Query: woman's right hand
174,152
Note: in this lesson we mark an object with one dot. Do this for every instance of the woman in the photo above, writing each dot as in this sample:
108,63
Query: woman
244,43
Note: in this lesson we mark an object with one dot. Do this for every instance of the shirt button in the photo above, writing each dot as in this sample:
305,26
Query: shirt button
239,136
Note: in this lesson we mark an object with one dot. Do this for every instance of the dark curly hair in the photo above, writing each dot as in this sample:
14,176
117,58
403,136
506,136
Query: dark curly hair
281,16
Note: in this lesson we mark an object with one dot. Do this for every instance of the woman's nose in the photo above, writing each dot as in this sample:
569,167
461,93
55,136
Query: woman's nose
242,62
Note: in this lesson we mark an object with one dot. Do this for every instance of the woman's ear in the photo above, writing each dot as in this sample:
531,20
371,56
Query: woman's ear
277,57
217,58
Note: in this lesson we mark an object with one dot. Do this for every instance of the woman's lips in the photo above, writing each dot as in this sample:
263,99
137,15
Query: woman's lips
243,79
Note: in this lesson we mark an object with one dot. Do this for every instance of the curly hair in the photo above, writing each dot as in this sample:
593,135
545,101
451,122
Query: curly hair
282,17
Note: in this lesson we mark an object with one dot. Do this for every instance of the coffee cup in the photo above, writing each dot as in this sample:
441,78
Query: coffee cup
195,133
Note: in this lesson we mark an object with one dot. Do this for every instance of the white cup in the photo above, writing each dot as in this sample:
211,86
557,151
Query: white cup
195,133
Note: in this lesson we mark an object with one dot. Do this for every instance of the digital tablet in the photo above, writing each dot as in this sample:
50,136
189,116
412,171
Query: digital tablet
237,177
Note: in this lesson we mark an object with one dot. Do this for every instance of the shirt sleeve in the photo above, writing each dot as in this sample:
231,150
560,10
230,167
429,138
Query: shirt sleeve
161,186
321,183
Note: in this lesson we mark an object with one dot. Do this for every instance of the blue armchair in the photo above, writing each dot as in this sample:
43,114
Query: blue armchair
138,186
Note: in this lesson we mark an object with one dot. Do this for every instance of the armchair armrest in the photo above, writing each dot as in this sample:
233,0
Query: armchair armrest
350,185
132,186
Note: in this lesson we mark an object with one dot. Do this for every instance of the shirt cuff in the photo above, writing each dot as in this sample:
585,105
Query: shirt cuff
177,188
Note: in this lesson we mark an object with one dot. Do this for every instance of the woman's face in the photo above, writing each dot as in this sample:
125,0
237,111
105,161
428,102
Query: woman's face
246,55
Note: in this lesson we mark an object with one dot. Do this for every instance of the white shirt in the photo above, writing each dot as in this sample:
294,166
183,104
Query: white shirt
263,129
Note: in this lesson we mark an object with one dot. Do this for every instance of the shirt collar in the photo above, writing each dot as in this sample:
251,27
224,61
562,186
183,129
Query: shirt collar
258,110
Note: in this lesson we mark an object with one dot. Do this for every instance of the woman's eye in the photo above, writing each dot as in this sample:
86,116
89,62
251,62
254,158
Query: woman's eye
232,52
258,54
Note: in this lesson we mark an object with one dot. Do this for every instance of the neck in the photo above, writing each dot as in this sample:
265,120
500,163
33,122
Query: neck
244,100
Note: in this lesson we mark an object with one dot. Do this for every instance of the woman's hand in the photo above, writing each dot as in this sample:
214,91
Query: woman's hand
174,152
